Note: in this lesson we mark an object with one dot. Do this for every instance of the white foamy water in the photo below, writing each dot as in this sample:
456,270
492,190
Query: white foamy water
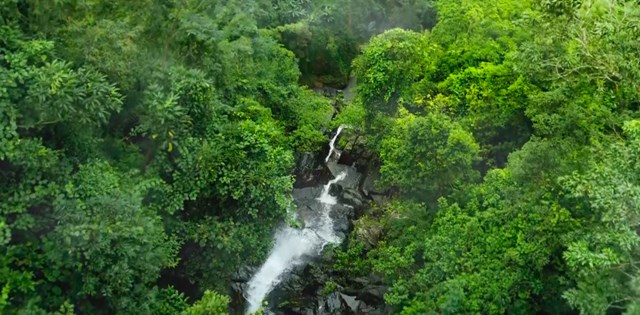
332,144
292,246
325,227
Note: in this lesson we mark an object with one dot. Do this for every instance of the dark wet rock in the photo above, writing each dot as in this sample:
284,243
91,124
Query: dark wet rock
369,183
307,163
361,281
341,235
351,302
343,211
238,286
306,195
306,201
372,295
294,283
351,180
346,158
341,228
379,198
352,197
310,171
341,216
297,293
333,303
373,310
244,273
335,190
307,295
368,231
327,91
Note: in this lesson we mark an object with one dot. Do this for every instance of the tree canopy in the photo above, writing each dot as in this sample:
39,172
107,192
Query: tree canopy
148,149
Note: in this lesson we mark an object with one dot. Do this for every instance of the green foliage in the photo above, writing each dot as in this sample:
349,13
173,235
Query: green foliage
329,288
491,251
212,303
105,243
553,230
142,143
585,65
234,187
491,99
56,93
388,67
352,261
472,32
603,261
559,7
325,35
352,115
169,301
310,113
145,144
428,156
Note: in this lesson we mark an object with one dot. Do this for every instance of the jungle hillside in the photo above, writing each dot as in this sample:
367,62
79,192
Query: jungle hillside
150,150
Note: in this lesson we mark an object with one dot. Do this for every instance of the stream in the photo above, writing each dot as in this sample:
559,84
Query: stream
324,223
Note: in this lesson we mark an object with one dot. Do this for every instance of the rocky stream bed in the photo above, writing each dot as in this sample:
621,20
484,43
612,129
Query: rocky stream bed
303,288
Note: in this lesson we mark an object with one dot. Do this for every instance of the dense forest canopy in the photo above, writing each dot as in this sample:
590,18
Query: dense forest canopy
147,149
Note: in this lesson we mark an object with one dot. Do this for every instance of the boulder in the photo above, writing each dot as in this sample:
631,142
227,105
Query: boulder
369,187
335,190
373,310
310,171
293,283
368,231
378,198
341,216
372,295
351,302
239,287
334,303
244,274
352,197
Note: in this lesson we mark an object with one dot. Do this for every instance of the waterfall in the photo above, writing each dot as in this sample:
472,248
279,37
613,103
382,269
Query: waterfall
292,246
332,144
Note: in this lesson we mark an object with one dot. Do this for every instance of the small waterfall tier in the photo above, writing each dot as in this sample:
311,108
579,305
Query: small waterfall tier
292,247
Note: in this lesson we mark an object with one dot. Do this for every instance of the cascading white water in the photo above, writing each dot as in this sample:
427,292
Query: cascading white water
290,246
325,227
332,144
293,245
